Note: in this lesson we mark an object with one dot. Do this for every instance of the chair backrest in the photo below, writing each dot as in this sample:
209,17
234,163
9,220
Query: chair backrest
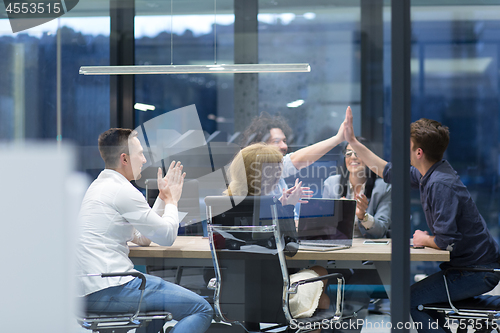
245,211
248,238
251,211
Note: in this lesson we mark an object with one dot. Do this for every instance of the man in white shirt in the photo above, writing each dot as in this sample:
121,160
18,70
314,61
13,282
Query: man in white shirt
114,212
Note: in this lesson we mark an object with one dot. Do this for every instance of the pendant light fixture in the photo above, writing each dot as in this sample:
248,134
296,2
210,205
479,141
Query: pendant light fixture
195,69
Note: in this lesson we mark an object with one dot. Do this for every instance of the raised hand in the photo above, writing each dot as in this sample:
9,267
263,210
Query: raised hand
340,133
348,127
162,183
170,186
295,194
305,194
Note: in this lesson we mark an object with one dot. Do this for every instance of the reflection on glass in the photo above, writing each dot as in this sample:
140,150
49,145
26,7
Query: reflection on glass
28,101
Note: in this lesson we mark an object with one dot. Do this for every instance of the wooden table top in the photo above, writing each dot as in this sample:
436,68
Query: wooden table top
197,247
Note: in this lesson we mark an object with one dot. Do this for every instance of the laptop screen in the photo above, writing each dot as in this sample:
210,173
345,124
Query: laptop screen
327,219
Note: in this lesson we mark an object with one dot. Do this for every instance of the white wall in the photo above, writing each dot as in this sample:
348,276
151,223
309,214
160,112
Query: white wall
39,200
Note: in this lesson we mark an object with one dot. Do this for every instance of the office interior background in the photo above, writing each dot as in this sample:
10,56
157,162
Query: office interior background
455,75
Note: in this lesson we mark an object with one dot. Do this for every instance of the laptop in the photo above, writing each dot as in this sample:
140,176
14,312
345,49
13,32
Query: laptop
326,224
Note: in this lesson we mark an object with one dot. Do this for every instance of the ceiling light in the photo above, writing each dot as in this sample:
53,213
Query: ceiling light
195,69
144,107
452,66
192,69
295,104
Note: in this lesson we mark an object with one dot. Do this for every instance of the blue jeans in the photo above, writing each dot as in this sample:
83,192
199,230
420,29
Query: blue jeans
461,285
192,312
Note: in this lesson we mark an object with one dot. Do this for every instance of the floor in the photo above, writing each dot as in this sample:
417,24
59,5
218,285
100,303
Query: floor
377,320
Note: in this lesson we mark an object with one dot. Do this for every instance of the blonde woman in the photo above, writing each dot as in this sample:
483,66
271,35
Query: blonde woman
256,170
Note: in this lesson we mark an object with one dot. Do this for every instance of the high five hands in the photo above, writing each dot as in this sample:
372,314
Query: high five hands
348,127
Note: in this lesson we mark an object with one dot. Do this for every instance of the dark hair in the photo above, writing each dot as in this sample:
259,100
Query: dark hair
431,137
344,175
258,131
113,143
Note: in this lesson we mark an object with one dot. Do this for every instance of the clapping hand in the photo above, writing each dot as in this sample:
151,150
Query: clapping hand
361,205
170,186
295,194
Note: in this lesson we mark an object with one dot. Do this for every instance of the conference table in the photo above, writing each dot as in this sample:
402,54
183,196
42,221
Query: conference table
194,248
194,251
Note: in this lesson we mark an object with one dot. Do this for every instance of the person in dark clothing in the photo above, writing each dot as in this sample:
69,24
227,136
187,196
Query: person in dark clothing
452,216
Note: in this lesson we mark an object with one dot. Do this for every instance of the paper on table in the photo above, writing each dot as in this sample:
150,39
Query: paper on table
321,248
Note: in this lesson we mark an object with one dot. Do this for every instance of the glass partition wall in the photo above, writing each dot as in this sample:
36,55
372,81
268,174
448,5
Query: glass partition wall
455,52
42,96
327,36
455,78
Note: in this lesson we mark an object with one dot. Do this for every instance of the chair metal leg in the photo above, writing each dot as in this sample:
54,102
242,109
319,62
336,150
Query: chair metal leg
178,274
252,326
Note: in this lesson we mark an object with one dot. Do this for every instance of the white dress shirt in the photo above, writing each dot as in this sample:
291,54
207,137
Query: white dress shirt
114,212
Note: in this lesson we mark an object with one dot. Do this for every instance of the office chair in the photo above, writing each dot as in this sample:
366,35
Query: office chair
121,322
481,312
251,285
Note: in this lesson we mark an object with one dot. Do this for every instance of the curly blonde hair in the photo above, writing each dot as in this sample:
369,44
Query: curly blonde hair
255,170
